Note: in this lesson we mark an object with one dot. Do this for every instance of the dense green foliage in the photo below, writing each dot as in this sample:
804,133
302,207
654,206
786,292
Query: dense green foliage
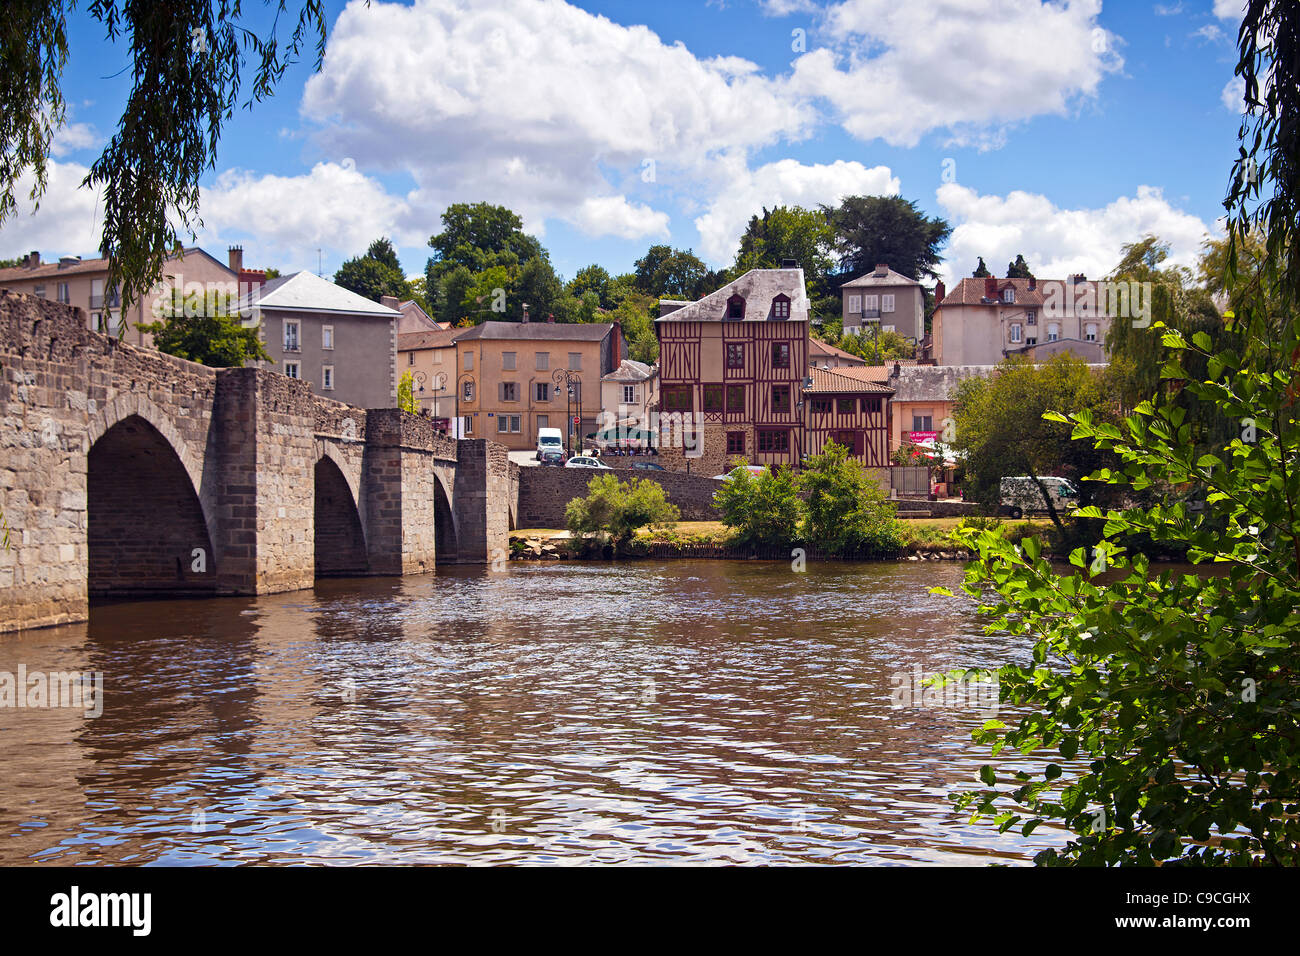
1171,697
376,274
406,399
872,229
762,510
209,336
188,62
846,512
617,509
1018,269
981,270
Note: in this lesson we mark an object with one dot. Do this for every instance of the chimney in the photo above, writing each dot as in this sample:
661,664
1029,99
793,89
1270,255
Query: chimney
33,259
235,257
391,301
1033,283
525,318
882,269
990,287
1079,279
65,261
616,342
939,292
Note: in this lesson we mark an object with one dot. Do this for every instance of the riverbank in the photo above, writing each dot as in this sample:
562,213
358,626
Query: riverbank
927,539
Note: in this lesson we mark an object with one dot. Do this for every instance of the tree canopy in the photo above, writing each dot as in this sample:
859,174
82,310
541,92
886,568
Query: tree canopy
873,229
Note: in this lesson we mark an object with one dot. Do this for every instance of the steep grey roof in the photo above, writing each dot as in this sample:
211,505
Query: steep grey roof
308,292
890,278
543,331
435,339
629,371
758,287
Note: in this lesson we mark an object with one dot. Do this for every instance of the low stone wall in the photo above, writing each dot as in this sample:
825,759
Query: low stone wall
939,509
544,492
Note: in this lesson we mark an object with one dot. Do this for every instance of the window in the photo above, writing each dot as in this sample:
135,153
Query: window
871,405
713,396
64,295
327,376
1090,332
1009,295
1031,317
39,292
575,361
503,423
291,369
509,391
676,398
410,358
435,356
469,424
855,304
542,392
736,307
821,406
467,393
780,355
780,398
290,335
327,339
844,406
543,421
97,321
773,441
1031,340
96,293
735,398
1053,332
1015,332
508,424
871,305
508,361
735,443
886,303
735,355
781,307
921,423
469,361
629,394
543,361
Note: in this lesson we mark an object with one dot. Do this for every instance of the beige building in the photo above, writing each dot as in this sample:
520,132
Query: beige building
629,394
430,357
886,297
81,283
513,378
341,342
982,321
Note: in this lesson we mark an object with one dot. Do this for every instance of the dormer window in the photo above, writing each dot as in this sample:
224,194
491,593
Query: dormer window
1008,295
781,307
736,307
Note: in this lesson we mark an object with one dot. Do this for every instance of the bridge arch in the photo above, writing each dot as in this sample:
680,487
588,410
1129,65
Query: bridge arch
446,527
339,531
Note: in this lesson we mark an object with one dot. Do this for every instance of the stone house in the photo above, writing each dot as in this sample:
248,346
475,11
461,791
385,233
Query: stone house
886,297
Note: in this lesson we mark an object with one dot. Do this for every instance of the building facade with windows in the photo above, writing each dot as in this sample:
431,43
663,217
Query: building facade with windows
629,394
982,321
82,283
430,357
344,344
513,378
886,297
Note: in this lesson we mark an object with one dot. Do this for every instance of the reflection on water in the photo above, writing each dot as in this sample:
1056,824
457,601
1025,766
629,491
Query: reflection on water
649,712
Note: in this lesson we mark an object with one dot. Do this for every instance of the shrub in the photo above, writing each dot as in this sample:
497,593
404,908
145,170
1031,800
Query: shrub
762,510
846,511
617,509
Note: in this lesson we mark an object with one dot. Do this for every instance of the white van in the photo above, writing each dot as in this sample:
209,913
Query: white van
1021,495
549,439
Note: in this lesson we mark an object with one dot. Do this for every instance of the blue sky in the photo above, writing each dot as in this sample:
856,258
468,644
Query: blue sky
1057,129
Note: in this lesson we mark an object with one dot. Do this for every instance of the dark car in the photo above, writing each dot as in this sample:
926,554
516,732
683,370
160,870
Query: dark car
552,458
648,466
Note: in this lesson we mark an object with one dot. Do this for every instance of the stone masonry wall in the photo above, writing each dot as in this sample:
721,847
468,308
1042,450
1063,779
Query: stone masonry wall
544,492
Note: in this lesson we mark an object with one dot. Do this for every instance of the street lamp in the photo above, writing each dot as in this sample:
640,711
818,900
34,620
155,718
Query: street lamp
438,385
565,378
458,431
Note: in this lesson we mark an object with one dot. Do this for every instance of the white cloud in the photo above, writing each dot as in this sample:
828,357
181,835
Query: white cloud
1229,9
1234,94
783,183
74,136
1058,242
67,222
783,8
1210,33
1172,10
615,216
900,70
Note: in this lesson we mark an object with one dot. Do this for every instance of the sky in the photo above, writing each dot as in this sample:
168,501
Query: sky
1058,130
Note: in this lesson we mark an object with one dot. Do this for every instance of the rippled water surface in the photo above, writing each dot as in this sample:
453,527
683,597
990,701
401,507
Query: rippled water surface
684,712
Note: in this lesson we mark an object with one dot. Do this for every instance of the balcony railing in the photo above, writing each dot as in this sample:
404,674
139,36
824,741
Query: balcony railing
871,313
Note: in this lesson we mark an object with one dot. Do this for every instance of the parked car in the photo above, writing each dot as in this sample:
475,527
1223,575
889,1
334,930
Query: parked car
648,466
549,439
552,457
1021,495
583,461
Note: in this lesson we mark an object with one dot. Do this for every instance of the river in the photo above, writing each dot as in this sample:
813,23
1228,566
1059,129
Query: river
647,712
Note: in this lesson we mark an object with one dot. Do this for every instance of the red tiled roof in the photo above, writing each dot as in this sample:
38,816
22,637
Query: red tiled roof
818,347
836,381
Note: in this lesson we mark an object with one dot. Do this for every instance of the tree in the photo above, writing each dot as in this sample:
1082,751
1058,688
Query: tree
762,510
1018,269
878,348
847,513
981,271
406,400
1001,431
372,278
790,232
191,330
873,229
595,279
187,68
1170,697
382,251
665,272
617,509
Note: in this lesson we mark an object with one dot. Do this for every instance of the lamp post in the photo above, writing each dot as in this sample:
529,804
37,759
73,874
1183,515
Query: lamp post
563,377
458,431
437,386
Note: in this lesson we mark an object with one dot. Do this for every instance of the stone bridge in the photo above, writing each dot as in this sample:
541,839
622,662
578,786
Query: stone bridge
125,472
